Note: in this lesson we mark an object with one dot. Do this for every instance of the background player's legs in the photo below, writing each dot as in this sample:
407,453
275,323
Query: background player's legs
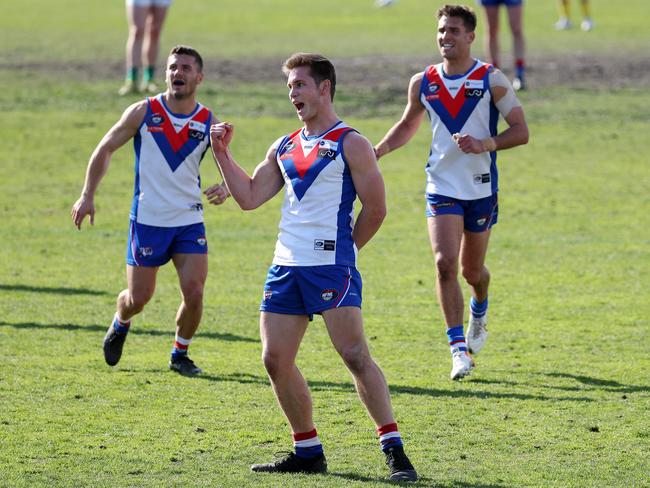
281,335
472,259
445,234
192,272
141,281
492,34
515,15
345,327
151,45
136,17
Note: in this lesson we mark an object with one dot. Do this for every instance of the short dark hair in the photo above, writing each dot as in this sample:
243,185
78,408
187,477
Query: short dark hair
189,51
462,11
320,68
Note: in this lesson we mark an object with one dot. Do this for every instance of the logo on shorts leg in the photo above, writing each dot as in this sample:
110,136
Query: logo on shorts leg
145,251
329,295
202,241
268,294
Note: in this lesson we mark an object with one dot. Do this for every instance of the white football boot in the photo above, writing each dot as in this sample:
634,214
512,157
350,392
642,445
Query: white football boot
477,333
461,365
563,24
587,24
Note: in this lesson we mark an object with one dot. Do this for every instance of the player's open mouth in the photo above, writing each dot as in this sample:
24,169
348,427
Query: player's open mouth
178,83
298,105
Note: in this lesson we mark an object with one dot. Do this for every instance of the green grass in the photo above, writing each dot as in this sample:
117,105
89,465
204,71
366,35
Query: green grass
561,393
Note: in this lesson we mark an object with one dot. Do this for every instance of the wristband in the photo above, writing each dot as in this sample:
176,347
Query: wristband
489,144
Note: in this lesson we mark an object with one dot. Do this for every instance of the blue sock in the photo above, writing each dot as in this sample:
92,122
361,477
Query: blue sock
121,327
307,444
478,308
456,339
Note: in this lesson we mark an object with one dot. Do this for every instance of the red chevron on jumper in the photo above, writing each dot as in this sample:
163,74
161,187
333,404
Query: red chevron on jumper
177,139
453,104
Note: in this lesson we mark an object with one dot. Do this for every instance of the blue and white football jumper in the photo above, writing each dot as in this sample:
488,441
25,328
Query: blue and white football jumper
459,104
169,148
318,209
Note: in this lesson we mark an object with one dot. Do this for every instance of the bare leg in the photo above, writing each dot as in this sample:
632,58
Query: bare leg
492,15
345,327
445,234
192,270
155,19
281,336
472,258
141,282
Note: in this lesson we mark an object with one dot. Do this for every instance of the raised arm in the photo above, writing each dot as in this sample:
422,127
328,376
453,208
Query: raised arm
369,185
116,137
249,192
407,126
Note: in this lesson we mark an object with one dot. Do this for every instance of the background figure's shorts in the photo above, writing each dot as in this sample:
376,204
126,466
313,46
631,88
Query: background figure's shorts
306,290
154,246
479,215
507,3
149,3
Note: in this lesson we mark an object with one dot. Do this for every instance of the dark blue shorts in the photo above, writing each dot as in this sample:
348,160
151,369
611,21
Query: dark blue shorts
507,3
479,215
155,246
306,290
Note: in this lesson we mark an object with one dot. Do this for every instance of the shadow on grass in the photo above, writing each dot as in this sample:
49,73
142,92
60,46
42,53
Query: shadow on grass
54,290
345,386
591,383
152,332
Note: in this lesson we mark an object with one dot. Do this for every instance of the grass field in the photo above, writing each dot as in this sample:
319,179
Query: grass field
561,393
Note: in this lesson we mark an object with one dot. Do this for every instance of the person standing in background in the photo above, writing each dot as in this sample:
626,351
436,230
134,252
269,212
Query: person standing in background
564,22
515,16
145,18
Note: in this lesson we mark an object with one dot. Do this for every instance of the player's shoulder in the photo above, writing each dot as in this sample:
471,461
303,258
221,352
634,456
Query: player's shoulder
356,145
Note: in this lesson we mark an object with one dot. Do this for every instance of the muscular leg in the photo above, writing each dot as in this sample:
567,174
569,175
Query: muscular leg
492,15
141,282
472,258
445,234
192,270
345,327
281,336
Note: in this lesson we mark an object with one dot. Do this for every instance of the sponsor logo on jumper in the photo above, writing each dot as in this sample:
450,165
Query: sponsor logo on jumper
326,153
474,92
473,84
324,245
482,178
157,119
197,207
329,295
195,134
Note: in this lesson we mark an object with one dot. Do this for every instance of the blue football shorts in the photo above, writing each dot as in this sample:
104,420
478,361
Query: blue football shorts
478,215
306,290
507,3
155,246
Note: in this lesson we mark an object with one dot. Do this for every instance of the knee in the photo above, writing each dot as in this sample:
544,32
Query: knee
193,295
356,357
154,32
138,299
472,276
447,267
273,364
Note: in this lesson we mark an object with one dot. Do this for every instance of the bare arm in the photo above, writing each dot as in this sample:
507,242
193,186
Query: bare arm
116,137
249,192
407,126
506,101
369,185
